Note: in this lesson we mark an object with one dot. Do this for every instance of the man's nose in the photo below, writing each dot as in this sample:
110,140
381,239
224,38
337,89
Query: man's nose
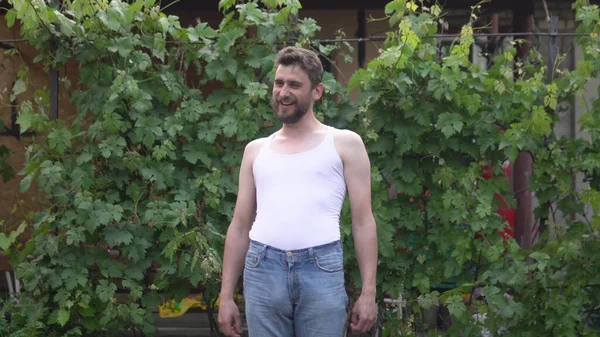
284,91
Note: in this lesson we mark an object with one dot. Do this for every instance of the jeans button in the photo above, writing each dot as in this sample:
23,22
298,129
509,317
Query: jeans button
289,254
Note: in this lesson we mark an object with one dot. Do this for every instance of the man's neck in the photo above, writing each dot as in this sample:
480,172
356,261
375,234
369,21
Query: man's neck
306,125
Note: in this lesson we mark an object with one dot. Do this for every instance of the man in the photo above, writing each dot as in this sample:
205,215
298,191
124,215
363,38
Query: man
285,230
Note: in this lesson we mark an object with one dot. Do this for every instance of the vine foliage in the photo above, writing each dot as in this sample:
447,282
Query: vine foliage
141,185
440,129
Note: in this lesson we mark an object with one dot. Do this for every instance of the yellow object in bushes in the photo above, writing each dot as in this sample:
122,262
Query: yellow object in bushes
174,309
171,308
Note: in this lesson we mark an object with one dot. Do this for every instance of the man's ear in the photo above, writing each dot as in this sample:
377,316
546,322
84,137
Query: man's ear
318,91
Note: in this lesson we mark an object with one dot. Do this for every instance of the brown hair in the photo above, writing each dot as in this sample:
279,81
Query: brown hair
306,59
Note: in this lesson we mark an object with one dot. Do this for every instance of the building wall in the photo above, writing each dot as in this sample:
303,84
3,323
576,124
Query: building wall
332,22
15,206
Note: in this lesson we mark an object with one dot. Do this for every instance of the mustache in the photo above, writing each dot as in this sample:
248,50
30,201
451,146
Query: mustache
289,100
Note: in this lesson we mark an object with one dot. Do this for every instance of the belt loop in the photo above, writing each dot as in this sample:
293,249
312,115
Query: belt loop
311,253
263,250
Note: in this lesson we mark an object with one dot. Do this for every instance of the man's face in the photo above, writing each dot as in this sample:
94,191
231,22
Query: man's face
293,94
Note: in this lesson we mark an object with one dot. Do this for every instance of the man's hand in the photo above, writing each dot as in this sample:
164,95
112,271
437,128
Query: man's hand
364,314
229,319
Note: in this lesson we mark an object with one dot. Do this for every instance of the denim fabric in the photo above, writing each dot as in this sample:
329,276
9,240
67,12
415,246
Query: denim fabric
297,293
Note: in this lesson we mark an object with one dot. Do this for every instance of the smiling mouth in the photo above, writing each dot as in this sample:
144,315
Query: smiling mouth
286,104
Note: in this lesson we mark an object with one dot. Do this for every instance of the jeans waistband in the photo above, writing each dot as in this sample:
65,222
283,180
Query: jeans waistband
266,250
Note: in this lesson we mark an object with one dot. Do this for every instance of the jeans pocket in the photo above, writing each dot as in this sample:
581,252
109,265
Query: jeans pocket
252,259
330,261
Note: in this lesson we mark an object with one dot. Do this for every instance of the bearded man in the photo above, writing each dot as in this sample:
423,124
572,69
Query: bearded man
285,232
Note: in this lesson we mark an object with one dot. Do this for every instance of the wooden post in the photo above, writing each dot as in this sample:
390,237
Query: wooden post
523,166
53,77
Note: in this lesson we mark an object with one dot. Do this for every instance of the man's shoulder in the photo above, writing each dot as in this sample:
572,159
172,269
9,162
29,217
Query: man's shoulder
253,148
258,142
255,145
347,138
347,143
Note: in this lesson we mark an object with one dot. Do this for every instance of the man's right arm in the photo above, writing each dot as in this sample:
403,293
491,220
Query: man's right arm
237,239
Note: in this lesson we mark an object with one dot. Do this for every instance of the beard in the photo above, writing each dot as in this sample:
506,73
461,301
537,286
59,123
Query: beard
286,115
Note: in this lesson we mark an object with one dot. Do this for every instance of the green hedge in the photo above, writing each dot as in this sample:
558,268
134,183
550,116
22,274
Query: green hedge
141,187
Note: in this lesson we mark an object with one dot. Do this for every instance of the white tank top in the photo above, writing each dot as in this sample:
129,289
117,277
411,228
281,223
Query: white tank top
299,197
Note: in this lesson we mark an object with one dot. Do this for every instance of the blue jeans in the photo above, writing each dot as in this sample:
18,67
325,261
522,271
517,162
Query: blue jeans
297,293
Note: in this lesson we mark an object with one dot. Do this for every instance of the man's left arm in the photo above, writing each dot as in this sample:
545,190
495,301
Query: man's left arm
357,172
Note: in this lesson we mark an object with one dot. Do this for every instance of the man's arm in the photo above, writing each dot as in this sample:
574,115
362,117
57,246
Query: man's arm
237,242
357,172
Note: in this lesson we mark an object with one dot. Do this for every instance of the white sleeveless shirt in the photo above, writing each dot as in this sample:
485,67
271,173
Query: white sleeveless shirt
299,197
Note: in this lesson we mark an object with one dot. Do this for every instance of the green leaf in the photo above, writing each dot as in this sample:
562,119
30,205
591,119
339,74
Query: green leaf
136,290
227,40
84,157
456,307
142,60
159,174
164,24
250,13
541,122
226,4
256,90
5,242
87,312
10,17
115,236
136,271
395,6
106,290
202,31
229,124
25,183
357,78
75,236
63,317
449,124
422,283
74,277
110,19
484,209
500,87
18,88
137,251
258,55
112,146
271,3
230,65
66,24
429,300
207,133
111,268
308,27
59,140
159,46
194,152
539,256
138,315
